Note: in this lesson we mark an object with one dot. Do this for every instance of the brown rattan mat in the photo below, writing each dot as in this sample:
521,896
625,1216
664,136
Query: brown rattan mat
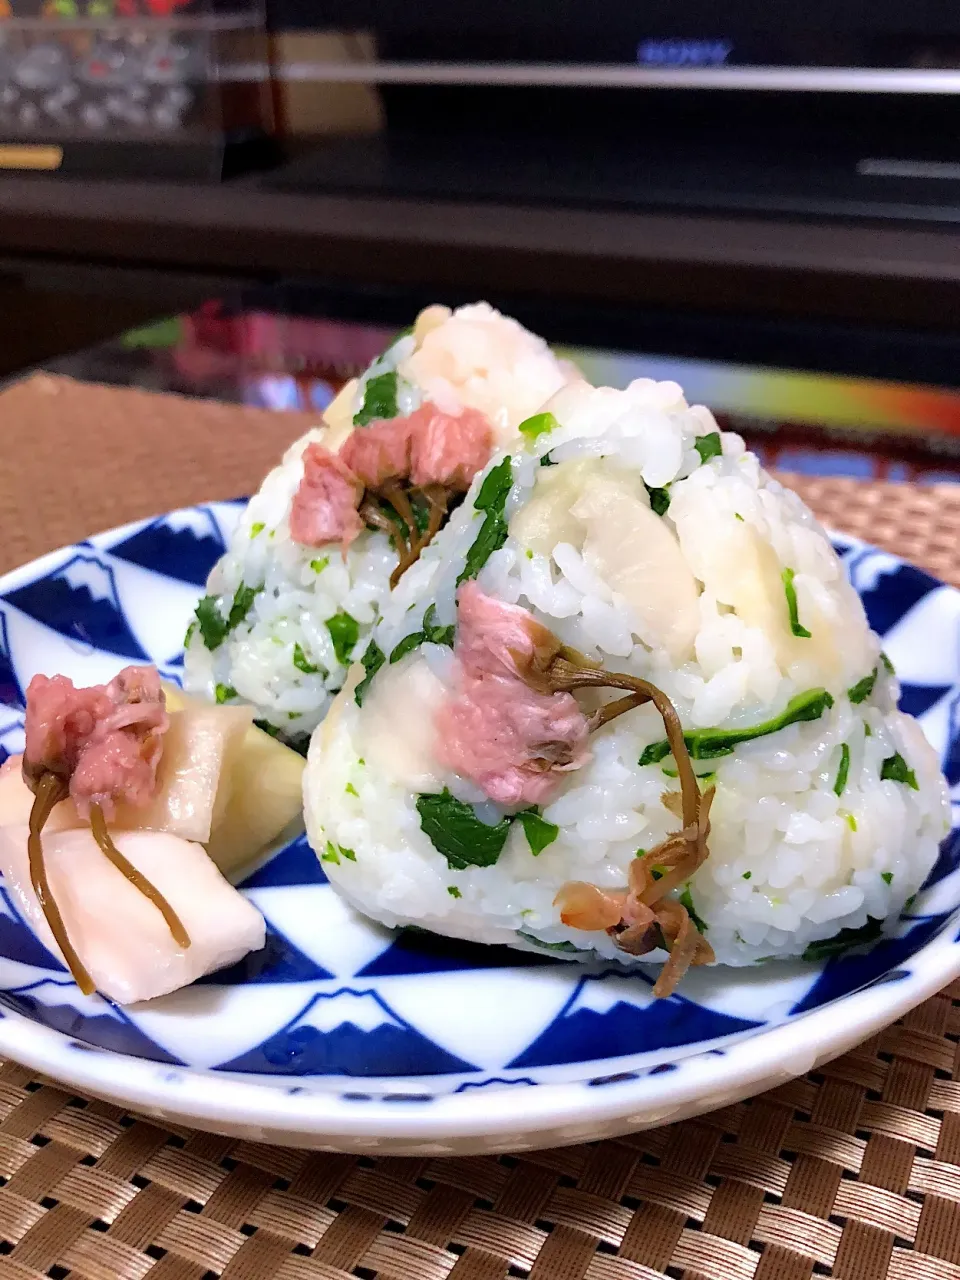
853,1171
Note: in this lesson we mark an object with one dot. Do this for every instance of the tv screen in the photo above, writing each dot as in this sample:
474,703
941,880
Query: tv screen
651,34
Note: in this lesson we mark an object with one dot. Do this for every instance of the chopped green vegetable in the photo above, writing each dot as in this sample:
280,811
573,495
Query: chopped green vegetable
708,744
862,690
302,662
318,566
348,854
189,636
330,853
843,772
790,592
844,940
529,553
431,634
294,715
223,693
351,790
455,831
566,947
851,821
373,659
213,626
344,632
738,516
242,601
492,500
538,425
257,528
266,727
909,902
453,891
886,877
896,769
867,731
659,500
379,400
547,461
891,669
701,777
687,901
538,831
747,875
708,446
406,645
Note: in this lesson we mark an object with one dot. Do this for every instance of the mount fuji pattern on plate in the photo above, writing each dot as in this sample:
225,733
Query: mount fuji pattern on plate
335,1002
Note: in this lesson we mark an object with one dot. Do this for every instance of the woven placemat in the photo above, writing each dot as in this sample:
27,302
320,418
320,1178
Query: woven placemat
853,1171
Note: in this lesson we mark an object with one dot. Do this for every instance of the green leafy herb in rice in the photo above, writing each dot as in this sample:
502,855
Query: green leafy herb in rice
862,690
708,446
453,891
890,668
212,624
223,693
708,744
351,790
843,772
431,633
214,628
334,852
850,821
242,601
687,901
344,632
747,875
701,777
790,592
189,636
886,877
538,425
266,727
379,400
538,831
492,501
257,528
302,662
566,947
318,566
659,500
844,941
373,659
896,769
455,831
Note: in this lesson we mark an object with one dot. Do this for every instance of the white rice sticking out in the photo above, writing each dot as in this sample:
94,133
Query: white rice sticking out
791,862
470,358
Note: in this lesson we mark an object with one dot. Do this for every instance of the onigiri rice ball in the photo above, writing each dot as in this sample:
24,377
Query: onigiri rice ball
286,611
627,706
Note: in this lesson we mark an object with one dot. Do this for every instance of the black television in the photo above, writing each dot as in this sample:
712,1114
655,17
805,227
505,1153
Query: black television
834,108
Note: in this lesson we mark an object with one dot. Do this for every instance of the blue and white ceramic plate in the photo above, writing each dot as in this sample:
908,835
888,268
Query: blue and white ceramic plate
344,1035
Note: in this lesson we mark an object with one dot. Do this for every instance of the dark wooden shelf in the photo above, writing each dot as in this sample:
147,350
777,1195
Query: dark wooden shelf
881,272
